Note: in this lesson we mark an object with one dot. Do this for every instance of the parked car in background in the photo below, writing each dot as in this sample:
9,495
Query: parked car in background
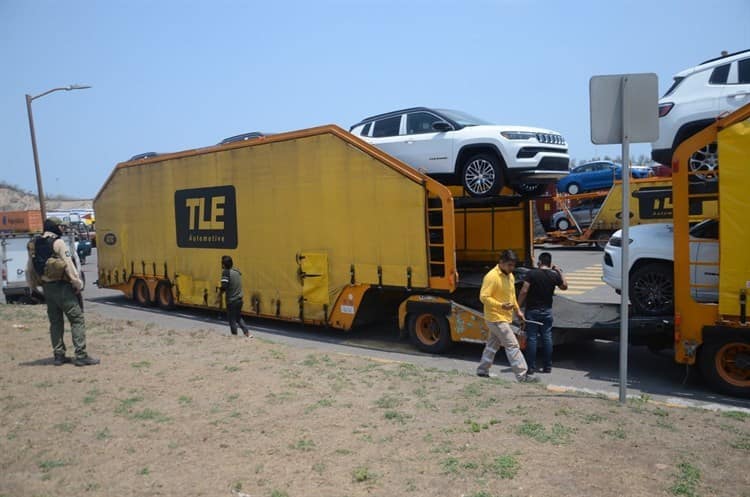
696,98
458,149
651,254
662,171
598,175
253,135
583,214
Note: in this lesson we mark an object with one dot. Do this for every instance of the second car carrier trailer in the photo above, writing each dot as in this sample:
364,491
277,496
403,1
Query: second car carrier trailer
326,229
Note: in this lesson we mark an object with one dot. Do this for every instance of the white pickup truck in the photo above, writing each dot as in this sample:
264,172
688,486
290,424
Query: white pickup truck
14,258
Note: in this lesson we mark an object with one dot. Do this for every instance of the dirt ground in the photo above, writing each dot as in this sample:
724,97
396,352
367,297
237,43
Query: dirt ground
201,414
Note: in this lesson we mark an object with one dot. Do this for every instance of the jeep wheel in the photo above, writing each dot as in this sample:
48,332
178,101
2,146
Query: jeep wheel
704,163
652,289
482,175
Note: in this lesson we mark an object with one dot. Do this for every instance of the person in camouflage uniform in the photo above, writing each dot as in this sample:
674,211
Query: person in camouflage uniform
231,285
61,295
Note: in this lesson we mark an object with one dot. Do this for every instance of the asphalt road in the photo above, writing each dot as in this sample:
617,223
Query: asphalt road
589,366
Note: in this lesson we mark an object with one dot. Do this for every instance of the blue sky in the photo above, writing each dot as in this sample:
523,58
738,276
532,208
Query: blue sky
172,75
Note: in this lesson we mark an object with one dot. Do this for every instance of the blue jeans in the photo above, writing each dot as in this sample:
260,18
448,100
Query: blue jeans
544,331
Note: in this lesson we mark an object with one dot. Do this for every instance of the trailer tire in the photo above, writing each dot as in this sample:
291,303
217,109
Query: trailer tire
725,363
141,294
164,297
429,332
652,289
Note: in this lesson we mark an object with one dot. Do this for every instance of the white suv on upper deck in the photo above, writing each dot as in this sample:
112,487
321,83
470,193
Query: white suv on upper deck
458,149
696,98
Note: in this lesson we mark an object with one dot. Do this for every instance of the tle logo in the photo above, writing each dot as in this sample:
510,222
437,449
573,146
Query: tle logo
206,217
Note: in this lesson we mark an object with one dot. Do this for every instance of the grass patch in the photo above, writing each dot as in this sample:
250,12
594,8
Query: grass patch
144,471
474,427
279,493
310,360
593,418
397,416
318,405
388,402
450,465
472,390
44,384
618,433
185,400
738,415
141,365
91,396
686,480
51,464
304,445
126,405
103,434
557,435
506,467
362,474
742,444
65,427
149,414
231,369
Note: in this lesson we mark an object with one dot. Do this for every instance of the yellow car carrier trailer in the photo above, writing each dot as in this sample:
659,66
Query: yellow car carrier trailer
651,202
326,229
716,335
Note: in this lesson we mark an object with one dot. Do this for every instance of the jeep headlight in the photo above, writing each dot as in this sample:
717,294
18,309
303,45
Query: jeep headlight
518,135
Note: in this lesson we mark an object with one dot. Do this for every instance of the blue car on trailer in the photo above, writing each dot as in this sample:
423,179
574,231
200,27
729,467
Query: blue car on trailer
598,175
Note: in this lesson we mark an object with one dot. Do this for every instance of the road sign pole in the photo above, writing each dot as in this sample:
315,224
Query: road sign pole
624,269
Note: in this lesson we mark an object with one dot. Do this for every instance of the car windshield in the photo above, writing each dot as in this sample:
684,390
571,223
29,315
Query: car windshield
462,118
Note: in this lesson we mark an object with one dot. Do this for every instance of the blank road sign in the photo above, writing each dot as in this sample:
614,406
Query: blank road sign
632,99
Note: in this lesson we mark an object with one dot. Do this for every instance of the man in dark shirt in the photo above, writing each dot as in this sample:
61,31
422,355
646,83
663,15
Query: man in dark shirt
231,285
536,294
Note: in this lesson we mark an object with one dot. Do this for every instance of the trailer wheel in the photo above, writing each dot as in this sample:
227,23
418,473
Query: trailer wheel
725,364
164,297
482,175
429,332
140,293
652,289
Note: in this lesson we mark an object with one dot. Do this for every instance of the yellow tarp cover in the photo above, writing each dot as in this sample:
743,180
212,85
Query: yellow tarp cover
734,209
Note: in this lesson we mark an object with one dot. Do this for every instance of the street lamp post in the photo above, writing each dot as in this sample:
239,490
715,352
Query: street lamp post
29,98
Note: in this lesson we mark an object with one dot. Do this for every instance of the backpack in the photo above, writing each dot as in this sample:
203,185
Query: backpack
45,260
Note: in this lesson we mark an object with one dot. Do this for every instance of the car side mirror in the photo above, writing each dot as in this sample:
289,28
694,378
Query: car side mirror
442,126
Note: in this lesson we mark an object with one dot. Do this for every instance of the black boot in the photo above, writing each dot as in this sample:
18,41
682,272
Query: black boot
86,361
61,359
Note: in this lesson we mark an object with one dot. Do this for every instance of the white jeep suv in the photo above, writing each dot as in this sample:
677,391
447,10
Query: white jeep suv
651,254
696,98
458,149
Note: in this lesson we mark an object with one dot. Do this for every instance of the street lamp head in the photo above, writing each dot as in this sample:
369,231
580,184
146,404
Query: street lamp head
76,87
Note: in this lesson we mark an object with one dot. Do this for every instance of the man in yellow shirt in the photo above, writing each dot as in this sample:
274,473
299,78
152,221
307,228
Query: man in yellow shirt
498,294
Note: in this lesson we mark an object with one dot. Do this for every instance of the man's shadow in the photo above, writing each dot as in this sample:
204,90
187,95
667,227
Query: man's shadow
46,361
